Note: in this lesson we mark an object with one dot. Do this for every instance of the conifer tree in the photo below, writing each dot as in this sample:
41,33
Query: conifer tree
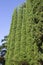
18,35
11,39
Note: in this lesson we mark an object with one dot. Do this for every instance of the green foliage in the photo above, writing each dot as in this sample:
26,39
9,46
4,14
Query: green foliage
18,35
25,42
23,37
11,39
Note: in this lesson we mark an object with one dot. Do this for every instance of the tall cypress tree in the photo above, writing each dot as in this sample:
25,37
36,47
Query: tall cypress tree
11,39
29,33
38,21
16,57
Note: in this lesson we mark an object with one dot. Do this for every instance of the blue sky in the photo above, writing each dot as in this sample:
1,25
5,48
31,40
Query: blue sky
6,11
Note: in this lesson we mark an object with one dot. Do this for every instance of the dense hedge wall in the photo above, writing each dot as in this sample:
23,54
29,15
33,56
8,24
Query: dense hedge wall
25,42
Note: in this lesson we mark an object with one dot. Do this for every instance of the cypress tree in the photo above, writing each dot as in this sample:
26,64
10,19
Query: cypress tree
29,33
37,30
23,37
34,31
16,57
11,39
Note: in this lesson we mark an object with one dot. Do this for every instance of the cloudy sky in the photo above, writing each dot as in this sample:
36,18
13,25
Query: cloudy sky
6,11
